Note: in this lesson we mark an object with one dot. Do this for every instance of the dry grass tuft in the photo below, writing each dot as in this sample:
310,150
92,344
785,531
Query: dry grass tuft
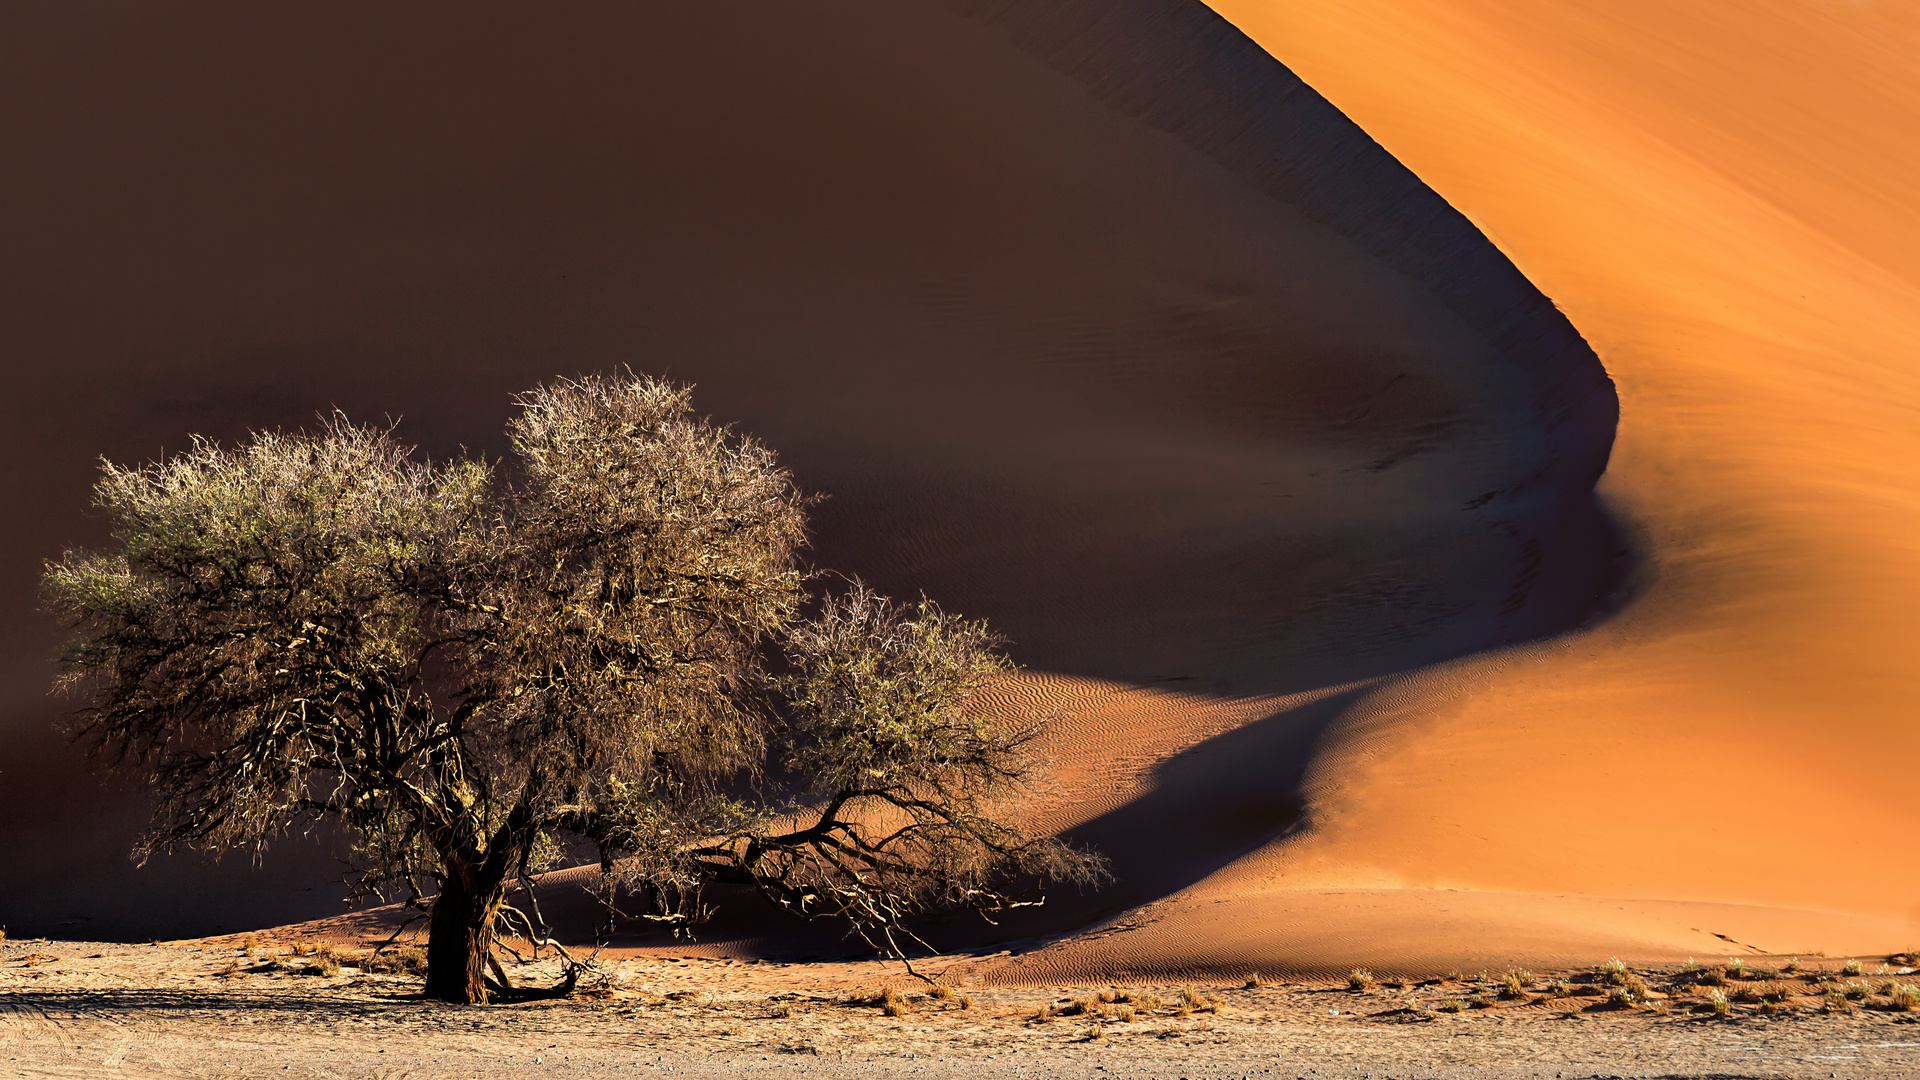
941,992
965,1002
1852,968
231,971
1452,1005
1714,976
1480,1001
1254,981
1558,988
1836,1003
1360,979
1095,1033
1904,998
406,960
1453,977
1857,991
249,945
782,1012
1718,1003
1513,985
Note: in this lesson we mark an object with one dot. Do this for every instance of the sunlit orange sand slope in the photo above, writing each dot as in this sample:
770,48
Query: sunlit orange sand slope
1725,198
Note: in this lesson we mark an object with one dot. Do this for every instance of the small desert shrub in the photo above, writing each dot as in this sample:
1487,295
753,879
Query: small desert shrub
1776,993
1254,981
1718,1003
941,993
1904,998
965,1002
1452,1005
326,965
1714,976
783,1012
1612,972
1144,1000
1096,1033
1397,983
1852,968
1559,988
1791,966
1836,1002
250,944
302,948
1737,968
1076,1007
1513,985
1857,991
891,1003
1480,1001
1121,1014
231,971
1677,989
1190,999
1453,977
1761,971
406,960
1360,979
1620,997
1747,995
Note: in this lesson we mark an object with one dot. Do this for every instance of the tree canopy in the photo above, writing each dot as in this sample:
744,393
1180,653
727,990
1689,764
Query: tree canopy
610,638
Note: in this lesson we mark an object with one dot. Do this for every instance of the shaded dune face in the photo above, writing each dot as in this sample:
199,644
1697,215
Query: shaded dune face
1091,319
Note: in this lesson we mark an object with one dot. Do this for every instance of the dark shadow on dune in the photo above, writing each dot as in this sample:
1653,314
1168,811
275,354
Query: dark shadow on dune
1092,318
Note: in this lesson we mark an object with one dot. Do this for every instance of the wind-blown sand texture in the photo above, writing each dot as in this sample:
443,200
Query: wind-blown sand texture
1099,324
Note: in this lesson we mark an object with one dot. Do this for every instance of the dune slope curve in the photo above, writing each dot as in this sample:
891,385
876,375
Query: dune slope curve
1092,319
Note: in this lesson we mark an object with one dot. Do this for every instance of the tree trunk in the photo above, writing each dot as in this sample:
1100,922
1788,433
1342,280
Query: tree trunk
460,939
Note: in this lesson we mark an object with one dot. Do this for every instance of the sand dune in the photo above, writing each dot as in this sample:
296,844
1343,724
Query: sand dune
1091,318
1098,323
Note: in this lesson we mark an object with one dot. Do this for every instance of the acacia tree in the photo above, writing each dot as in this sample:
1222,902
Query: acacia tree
607,642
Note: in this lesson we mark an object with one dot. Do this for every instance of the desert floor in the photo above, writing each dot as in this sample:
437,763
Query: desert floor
86,1009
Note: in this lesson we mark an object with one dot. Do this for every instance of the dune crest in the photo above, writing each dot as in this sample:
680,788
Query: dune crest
1721,197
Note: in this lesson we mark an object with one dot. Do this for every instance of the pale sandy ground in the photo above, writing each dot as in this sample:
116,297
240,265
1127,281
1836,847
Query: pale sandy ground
80,1009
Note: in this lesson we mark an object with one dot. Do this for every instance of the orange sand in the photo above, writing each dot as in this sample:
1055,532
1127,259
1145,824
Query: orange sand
1726,200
